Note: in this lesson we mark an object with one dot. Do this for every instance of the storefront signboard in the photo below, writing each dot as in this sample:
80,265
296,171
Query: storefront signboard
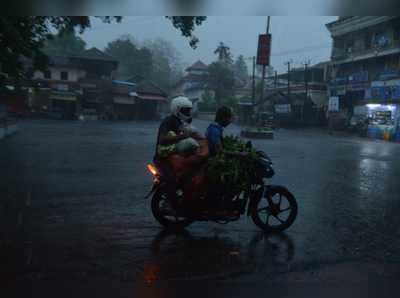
358,77
396,92
67,96
282,108
357,87
340,80
341,90
333,105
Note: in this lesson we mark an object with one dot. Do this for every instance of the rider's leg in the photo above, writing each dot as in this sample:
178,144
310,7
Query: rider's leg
171,185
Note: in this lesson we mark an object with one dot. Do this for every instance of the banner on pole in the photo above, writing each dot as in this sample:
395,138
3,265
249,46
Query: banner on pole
264,49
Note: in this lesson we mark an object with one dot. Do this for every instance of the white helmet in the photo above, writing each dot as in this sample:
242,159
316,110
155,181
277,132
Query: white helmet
181,107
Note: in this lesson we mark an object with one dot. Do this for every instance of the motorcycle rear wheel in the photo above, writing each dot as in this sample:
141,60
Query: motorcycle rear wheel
170,222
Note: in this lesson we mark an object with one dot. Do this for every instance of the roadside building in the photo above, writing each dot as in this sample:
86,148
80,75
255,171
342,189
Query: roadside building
124,101
365,77
74,85
194,84
14,96
151,101
300,98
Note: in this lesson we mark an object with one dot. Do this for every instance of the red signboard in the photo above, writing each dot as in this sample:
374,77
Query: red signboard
264,49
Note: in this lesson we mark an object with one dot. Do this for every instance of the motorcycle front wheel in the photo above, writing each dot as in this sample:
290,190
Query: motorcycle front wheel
168,218
276,213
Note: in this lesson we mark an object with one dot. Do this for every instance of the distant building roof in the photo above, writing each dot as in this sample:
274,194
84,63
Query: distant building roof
274,96
199,65
339,20
192,78
149,87
124,83
321,64
96,54
60,61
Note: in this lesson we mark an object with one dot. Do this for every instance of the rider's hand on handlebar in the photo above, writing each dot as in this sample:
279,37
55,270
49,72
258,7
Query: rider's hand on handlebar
184,135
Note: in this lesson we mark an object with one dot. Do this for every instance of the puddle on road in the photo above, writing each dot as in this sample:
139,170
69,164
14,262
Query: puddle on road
183,256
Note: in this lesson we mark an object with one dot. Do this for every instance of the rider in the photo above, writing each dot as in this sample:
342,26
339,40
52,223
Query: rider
171,131
214,133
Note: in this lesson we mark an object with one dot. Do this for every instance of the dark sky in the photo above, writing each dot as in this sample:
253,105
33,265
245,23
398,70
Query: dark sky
296,38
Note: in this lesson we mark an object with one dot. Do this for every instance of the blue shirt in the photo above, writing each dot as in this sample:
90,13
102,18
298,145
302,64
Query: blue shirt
214,134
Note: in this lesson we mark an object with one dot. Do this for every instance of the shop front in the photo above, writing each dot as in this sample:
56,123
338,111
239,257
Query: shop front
63,105
381,110
124,107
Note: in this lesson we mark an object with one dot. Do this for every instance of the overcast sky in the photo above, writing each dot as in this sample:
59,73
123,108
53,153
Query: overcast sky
293,38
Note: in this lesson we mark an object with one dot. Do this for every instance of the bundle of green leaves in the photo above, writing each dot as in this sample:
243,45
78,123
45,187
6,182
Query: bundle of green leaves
232,166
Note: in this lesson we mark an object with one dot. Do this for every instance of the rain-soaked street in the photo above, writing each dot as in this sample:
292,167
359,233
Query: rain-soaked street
73,215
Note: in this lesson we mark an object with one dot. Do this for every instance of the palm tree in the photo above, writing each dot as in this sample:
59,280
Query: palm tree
224,53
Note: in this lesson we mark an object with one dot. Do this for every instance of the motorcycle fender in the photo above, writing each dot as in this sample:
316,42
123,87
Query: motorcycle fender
265,192
153,190
254,200
274,188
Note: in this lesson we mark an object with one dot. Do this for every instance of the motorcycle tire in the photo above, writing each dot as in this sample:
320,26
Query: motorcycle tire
159,196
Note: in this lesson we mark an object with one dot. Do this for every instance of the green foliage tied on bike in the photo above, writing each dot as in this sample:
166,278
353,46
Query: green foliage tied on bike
234,165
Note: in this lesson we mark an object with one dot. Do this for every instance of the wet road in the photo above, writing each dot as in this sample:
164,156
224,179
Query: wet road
72,210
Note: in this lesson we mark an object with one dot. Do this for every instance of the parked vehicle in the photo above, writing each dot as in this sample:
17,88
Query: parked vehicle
358,124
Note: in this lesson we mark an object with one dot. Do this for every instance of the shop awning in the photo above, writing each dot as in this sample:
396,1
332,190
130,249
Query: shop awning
152,97
58,95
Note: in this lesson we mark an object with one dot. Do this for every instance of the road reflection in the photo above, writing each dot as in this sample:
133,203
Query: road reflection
184,256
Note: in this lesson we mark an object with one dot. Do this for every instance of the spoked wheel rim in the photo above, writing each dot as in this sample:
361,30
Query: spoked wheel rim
165,214
277,216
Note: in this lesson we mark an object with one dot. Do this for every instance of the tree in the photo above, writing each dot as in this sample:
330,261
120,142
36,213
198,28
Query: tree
224,54
240,68
221,78
64,44
133,61
230,101
24,36
187,25
167,62
161,72
207,103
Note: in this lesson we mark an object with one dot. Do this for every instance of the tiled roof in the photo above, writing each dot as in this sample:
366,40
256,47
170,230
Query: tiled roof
198,66
148,87
95,54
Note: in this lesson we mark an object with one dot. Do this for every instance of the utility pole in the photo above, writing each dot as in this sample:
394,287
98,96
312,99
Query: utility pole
306,76
288,78
306,86
253,91
276,80
263,68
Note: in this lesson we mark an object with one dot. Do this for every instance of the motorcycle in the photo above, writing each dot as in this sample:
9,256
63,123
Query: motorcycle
273,208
